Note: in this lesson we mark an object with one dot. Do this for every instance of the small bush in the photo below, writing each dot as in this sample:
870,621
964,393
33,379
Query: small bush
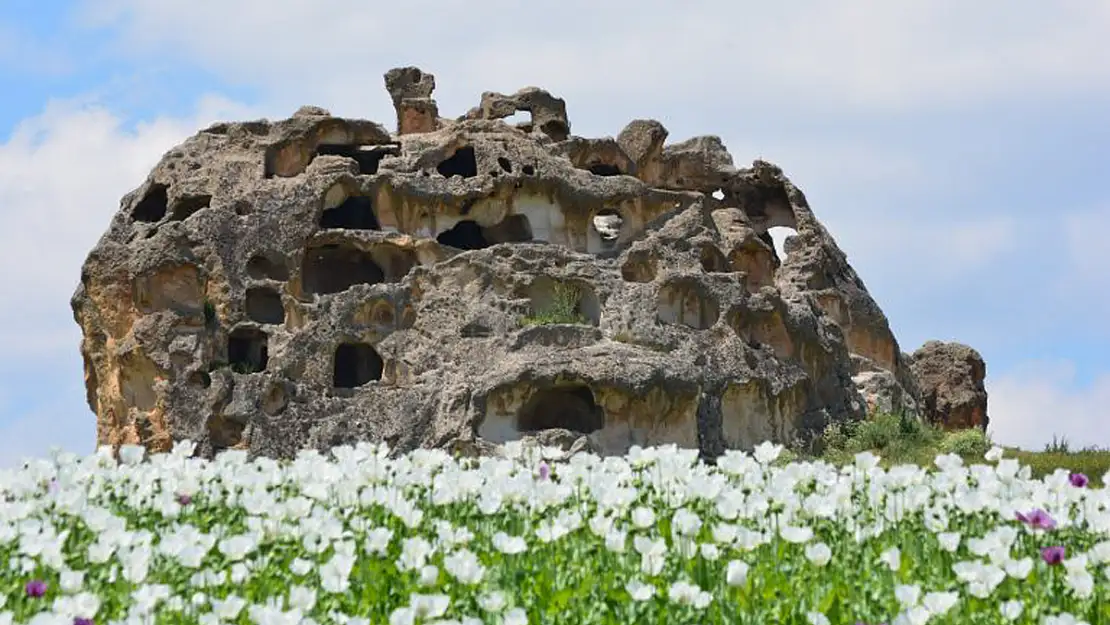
969,443
563,308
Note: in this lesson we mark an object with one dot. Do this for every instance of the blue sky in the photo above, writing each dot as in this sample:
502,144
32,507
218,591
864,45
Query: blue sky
959,153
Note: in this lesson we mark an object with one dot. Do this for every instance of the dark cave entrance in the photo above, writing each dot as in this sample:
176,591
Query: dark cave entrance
355,365
461,163
368,157
571,407
246,350
355,213
465,235
332,268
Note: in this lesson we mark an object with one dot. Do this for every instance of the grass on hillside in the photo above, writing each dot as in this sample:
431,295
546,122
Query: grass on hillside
903,439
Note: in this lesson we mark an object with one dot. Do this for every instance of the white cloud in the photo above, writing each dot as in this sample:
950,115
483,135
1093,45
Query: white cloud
1032,404
818,54
62,175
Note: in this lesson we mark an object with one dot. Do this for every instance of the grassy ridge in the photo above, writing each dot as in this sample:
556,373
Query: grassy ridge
899,440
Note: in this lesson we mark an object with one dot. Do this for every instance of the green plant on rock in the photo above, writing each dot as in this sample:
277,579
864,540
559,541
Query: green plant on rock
563,308
972,442
209,313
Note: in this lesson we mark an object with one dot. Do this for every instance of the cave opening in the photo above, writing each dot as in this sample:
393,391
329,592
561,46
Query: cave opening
184,207
356,364
246,350
267,266
462,163
465,235
264,305
570,406
333,268
368,157
152,207
605,169
355,213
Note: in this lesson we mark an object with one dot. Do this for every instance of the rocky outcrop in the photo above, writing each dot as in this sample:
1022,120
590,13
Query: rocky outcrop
950,380
315,281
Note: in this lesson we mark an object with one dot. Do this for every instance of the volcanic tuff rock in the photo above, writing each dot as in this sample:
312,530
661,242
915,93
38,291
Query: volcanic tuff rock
950,381
316,281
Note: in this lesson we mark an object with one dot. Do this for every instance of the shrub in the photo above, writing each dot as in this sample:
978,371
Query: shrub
563,308
969,443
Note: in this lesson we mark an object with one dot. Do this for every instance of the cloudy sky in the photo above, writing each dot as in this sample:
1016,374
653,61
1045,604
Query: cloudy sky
959,152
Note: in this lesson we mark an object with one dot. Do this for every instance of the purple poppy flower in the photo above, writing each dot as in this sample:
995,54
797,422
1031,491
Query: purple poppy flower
545,471
1053,555
184,499
80,620
1038,519
1078,480
35,588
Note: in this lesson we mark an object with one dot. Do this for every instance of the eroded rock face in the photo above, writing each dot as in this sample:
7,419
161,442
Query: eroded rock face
317,281
950,378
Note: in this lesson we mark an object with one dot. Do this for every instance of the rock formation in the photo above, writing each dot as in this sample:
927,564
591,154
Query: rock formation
315,281
950,383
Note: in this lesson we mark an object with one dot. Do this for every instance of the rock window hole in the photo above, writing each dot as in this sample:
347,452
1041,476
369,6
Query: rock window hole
520,119
333,268
571,407
461,163
356,364
368,157
355,213
504,164
246,350
779,236
153,206
607,223
186,206
264,305
528,170
267,267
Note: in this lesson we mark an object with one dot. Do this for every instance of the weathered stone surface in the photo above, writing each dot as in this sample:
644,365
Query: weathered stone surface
316,281
950,377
